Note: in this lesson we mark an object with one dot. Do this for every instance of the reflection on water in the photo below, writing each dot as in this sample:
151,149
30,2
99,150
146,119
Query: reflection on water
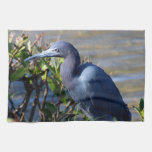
120,53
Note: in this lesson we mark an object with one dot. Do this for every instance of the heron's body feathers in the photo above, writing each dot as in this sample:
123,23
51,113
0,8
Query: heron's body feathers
95,89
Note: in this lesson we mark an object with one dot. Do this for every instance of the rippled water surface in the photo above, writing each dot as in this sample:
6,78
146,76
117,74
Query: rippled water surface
120,53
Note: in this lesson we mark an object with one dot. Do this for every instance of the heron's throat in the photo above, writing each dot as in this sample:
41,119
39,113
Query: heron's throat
69,69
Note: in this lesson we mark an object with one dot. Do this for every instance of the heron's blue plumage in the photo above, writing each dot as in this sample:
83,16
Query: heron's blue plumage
89,85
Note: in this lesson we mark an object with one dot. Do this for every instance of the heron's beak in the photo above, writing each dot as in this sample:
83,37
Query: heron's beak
48,53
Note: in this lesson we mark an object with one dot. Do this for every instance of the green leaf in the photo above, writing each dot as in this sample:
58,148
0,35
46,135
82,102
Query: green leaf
63,97
37,70
18,73
44,76
10,47
54,86
76,112
24,55
61,60
30,81
19,54
142,115
54,62
11,52
29,46
141,104
21,43
49,67
47,112
140,109
51,107
43,65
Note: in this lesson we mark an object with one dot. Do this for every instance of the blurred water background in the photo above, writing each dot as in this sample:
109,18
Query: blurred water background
120,53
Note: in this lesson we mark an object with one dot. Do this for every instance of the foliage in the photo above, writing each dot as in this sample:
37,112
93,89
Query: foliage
140,109
40,76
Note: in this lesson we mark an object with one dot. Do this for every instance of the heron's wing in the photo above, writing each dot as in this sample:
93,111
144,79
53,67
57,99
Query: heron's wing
100,95
97,84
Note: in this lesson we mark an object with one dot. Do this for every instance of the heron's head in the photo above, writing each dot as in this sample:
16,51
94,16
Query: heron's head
58,49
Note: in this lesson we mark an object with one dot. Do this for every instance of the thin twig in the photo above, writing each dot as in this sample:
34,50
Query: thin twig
72,108
11,59
27,97
58,109
37,39
37,98
45,92
19,107
12,104
29,88
32,110
69,112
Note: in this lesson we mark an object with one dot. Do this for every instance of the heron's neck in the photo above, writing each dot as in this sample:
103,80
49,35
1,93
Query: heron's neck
68,69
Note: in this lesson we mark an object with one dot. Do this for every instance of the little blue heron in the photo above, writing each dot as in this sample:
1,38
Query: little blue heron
88,84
